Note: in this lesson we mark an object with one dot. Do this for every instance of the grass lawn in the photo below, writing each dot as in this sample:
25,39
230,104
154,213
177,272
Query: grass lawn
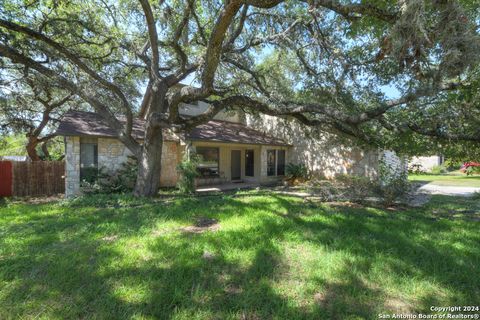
270,257
459,180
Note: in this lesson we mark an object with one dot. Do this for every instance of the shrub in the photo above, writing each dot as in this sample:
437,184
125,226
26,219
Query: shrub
452,165
476,195
296,171
90,175
120,181
357,187
472,170
438,169
188,171
393,180
415,168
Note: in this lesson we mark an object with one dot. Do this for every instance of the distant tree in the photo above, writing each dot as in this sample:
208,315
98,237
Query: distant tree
33,106
323,63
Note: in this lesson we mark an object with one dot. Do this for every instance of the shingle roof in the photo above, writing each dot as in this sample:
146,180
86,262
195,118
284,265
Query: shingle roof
80,123
224,131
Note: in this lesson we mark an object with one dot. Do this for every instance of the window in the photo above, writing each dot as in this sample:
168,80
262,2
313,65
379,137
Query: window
275,162
208,164
88,161
249,163
271,162
280,162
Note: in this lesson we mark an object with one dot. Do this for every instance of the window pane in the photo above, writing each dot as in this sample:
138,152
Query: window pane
208,165
281,163
88,162
270,162
249,163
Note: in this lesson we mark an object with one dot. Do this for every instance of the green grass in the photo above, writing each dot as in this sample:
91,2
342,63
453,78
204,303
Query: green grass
459,180
273,257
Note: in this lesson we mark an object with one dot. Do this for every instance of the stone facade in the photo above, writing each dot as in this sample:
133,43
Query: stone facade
111,155
171,156
72,166
325,155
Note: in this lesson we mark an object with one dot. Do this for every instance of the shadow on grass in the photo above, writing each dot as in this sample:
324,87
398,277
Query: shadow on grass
81,262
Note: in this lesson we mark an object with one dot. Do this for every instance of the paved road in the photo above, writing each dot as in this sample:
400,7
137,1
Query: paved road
448,190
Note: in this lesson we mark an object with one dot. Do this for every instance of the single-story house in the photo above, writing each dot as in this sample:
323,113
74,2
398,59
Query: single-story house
233,147
228,151
426,163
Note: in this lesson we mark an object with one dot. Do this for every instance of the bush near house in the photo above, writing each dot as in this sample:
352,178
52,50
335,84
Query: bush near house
296,173
415,168
188,172
393,180
103,180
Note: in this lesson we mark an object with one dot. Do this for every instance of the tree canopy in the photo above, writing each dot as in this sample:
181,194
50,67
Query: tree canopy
387,73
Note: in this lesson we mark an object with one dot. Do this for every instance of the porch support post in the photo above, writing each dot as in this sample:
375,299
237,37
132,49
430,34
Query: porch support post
72,166
263,163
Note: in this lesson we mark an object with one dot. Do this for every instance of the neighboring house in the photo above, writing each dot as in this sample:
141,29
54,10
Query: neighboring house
426,163
234,147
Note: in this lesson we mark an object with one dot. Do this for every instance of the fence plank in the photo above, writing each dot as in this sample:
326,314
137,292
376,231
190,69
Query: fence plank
6,178
38,178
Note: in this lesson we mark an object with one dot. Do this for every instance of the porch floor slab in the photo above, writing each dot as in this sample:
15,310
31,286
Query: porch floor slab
227,187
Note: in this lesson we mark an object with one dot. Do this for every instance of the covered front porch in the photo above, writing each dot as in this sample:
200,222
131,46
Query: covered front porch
233,163
232,152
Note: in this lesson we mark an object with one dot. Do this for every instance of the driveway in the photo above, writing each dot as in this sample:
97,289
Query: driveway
448,190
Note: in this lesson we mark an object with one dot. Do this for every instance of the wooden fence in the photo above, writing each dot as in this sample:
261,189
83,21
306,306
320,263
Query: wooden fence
39,178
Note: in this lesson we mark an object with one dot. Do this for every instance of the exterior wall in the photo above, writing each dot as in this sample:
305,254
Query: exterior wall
325,155
171,156
427,163
72,166
111,155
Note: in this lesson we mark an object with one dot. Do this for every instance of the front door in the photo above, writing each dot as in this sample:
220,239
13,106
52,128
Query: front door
249,161
236,164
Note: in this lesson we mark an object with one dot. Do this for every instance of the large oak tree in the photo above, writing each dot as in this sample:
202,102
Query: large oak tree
324,63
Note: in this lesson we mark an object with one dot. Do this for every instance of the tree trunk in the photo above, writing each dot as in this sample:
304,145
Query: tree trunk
46,154
31,148
150,163
150,157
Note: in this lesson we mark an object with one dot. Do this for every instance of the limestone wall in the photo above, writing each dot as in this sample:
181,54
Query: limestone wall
111,155
325,155
72,166
171,156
